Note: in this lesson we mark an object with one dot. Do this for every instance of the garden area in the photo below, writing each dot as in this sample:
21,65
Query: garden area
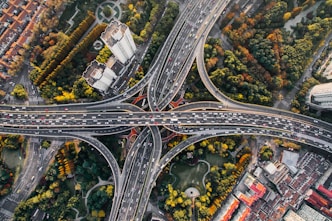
209,167
76,169
189,175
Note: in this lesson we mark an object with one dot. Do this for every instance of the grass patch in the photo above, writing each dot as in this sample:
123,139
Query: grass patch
215,159
70,185
189,175
12,158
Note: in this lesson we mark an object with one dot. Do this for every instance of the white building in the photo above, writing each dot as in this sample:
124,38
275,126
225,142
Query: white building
320,97
290,159
99,76
276,172
118,38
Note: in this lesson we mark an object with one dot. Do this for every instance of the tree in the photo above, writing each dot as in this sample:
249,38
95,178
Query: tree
73,202
191,148
2,93
287,16
275,14
188,95
101,214
103,55
19,92
229,167
233,63
200,151
263,52
211,148
266,153
62,49
109,190
277,82
45,144
16,65
6,179
107,11
179,215
94,213
82,89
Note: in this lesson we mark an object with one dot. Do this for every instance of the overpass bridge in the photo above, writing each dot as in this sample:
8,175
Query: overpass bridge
163,81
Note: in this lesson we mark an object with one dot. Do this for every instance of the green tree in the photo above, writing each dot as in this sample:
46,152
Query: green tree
180,215
263,52
107,11
103,55
266,153
229,167
45,144
73,202
19,92
275,14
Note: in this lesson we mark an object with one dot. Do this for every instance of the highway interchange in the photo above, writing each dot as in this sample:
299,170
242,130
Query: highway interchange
133,183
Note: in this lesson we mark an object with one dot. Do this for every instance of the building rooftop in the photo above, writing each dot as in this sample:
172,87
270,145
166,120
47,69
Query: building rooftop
292,216
114,64
242,213
16,27
99,75
291,190
113,32
310,214
326,192
320,96
256,190
270,168
31,6
290,158
328,72
228,209
277,171
322,89
93,69
258,171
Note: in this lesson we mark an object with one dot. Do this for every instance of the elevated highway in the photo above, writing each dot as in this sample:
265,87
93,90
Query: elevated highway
164,79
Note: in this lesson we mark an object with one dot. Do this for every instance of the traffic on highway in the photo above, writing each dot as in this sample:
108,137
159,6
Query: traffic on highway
133,184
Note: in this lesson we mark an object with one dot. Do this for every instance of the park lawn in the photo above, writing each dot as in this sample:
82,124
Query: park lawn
215,159
188,176
12,158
